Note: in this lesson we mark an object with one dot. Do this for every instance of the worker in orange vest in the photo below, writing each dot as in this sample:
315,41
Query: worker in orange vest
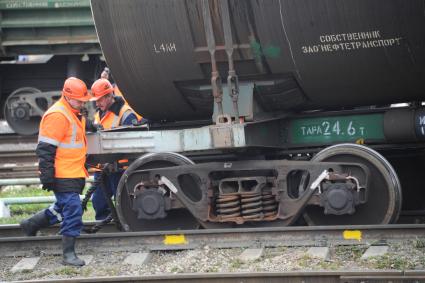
62,149
105,75
112,111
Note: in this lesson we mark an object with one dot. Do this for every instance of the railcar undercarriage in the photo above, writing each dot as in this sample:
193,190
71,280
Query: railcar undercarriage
251,174
343,184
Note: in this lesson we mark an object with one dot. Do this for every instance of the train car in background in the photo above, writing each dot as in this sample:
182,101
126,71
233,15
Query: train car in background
41,43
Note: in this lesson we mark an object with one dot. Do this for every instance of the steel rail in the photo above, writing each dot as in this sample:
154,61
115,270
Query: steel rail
17,156
219,238
14,230
257,277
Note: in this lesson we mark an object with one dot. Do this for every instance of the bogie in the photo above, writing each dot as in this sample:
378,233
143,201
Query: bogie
167,191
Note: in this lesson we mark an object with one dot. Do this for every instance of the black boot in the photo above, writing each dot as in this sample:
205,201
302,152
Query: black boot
69,256
31,225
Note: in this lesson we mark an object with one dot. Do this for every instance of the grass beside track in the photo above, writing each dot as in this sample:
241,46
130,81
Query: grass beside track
21,211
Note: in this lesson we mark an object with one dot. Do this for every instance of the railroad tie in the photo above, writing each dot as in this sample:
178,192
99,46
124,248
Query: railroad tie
25,264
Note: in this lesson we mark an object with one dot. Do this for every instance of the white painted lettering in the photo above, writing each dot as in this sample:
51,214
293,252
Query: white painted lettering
376,34
342,42
309,131
164,47
347,46
156,50
351,130
338,127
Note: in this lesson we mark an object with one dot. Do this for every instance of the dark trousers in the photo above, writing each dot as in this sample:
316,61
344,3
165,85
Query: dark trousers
99,199
68,211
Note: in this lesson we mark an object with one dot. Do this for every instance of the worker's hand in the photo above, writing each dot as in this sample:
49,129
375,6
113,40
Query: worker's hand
99,127
105,73
96,128
140,122
48,186
93,127
84,112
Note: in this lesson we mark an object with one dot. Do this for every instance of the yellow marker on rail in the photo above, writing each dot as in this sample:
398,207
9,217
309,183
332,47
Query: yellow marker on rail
352,235
175,240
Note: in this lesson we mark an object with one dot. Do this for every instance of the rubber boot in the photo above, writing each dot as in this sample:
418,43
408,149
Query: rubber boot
31,225
69,256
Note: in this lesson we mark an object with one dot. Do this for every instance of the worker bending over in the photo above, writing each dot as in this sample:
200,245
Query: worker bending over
62,149
112,111
117,92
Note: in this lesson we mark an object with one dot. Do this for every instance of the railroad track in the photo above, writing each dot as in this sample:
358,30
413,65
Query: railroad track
201,242
258,277
13,230
17,156
220,238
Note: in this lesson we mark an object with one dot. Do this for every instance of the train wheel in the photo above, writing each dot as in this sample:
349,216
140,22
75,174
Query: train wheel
384,198
18,116
175,219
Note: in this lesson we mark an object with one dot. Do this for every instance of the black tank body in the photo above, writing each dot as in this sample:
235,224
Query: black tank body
301,54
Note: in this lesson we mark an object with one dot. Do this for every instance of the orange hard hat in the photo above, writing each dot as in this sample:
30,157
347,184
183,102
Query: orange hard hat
76,89
100,88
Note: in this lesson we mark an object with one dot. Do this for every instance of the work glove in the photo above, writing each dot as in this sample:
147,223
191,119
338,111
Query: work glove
96,128
144,121
87,197
84,204
84,112
93,127
48,186
99,127
140,122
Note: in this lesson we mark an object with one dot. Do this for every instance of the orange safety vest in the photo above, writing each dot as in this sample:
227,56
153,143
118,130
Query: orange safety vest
118,92
110,120
72,149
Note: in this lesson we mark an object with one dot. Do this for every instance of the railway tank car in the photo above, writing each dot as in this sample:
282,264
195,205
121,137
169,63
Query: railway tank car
301,54
260,105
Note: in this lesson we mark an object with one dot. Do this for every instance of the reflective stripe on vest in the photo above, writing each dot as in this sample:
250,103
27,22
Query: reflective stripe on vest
126,114
72,143
110,120
118,92
71,150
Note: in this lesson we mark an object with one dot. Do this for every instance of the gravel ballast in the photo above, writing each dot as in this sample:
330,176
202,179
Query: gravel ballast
409,255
